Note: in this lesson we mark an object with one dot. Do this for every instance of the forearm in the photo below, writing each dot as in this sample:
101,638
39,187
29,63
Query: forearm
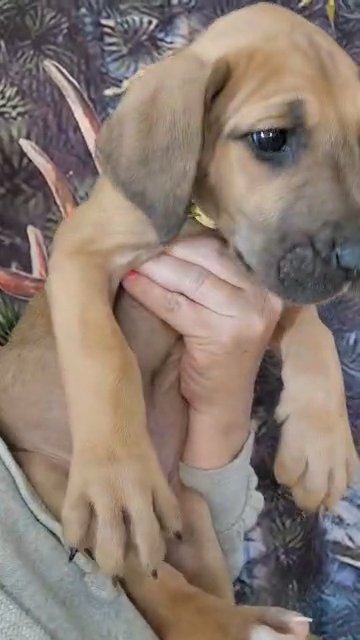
300,335
216,464
94,357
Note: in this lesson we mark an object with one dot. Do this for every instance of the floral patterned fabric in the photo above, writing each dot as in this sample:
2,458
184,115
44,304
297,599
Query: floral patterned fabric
308,563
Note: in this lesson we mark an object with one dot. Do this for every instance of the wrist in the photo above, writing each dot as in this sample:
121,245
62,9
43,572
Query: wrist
214,440
220,415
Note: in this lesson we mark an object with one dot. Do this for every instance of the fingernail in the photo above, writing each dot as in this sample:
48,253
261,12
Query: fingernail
302,619
72,553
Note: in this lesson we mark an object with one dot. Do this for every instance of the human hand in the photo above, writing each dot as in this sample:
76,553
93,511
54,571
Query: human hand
226,321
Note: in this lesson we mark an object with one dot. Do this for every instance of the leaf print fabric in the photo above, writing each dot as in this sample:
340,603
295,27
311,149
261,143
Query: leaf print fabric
62,66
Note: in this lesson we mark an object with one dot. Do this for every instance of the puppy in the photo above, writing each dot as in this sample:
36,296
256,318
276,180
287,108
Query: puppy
252,123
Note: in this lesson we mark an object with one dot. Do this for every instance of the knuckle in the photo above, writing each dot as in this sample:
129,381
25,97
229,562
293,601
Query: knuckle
227,345
253,328
172,302
273,305
228,341
259,325
266,313
198,278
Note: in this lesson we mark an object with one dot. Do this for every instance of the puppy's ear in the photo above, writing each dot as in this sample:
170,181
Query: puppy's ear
151,144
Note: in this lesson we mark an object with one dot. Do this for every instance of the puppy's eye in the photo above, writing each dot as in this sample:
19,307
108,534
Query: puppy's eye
269,140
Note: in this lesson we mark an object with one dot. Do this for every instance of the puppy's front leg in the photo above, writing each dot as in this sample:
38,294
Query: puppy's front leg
317,457
116,485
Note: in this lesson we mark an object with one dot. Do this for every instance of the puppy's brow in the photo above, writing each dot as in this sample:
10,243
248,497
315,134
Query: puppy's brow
297,114
285,114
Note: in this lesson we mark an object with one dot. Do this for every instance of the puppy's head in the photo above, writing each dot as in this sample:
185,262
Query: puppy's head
259,120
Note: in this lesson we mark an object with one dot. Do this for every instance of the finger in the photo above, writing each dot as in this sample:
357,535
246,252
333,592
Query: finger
194,282
219,263
182,314
214,255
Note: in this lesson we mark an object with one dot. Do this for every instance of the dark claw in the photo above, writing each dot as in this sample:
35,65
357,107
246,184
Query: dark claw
117,581
154,574
179,536
72,553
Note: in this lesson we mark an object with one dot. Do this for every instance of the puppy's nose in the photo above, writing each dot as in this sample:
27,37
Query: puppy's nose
347,256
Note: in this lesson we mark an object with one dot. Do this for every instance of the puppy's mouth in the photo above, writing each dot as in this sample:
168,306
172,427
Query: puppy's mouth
306,277
302,275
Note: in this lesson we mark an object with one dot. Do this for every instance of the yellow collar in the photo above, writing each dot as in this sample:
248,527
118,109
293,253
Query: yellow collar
195,212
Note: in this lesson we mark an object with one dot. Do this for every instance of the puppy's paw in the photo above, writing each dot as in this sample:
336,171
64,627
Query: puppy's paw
316,459
115,502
